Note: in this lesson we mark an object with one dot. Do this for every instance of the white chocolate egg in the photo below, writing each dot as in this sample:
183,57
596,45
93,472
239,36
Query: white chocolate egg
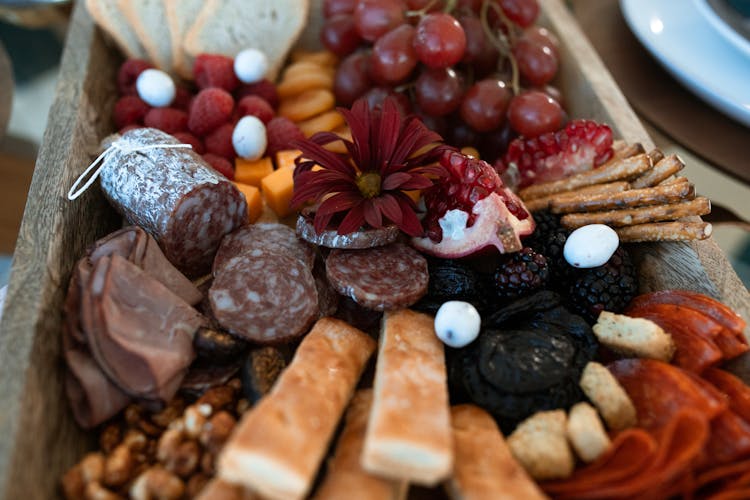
251,65
457,323
590,246
156,88
249,138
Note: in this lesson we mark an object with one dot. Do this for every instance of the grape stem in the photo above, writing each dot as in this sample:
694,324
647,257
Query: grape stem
421,12
500,40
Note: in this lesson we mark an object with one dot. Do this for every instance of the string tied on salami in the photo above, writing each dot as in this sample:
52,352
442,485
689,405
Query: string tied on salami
122,145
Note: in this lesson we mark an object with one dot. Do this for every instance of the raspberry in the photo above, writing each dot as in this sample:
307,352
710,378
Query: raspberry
220,164
128,74
167,120
256,106
209,109
182,99
580,146
280,132
219,142
188,138
129,110
215,70
264,89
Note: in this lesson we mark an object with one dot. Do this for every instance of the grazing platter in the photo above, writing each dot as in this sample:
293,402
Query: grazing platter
83,394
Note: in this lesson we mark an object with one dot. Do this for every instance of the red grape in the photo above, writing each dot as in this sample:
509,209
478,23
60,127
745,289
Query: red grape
421,4
462,135
469,6
537,64
440,40
475,38
352,78
393,57
554,93
339,35
485,103
335,7
376,95
521,12
544,37
374,18
534,113
438,91
437,124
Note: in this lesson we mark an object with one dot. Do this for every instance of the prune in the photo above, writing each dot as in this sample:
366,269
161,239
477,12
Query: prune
451,280
204,375
260,370
218,346
528,358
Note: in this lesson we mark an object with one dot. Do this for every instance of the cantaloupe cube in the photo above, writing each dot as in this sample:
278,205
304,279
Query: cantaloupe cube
414,195
251,172
254,200
286,157
277,189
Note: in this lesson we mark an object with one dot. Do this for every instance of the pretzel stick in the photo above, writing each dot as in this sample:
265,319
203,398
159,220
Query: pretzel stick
618,170
633,216
624,150
666,167
665,231
627,199
544,202
674,181
655,155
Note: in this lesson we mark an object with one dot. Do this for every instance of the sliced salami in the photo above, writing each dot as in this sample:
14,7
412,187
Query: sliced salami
264,296
175,196
265,236
382,278
330,238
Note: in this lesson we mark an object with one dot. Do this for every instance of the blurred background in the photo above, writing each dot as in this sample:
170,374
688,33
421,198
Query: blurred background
32,36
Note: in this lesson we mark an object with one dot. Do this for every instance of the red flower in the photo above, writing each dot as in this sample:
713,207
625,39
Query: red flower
366,186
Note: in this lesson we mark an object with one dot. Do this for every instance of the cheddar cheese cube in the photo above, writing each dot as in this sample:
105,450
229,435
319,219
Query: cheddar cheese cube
277,189
252,171
254,200
286,157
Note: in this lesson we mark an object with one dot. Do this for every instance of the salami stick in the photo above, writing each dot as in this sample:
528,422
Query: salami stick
630,217
665,231
545,202
665,168
618,170
626,199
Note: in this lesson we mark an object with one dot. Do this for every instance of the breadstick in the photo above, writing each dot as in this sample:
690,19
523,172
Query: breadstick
345,474
485,467
409,431
216,489
544,202
666,167
665,231
626,199
276,448
642,215
618,170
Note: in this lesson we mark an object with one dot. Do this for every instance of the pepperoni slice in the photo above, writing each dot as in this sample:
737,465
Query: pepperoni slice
660,390
737,391
730,439
711,307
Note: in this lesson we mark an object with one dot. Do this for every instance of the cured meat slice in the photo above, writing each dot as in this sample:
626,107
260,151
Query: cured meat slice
330,238
730,439
174,195
735,388
263,236
265,297
381,278
139,332
659,390
138,247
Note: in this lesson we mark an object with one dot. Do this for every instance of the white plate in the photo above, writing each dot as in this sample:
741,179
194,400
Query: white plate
708,10
688,46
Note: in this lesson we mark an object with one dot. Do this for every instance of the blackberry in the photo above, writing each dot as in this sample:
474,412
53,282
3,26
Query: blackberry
520,273
610,287
451,280
549,239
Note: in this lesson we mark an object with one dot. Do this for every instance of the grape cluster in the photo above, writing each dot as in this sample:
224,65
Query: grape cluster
481,66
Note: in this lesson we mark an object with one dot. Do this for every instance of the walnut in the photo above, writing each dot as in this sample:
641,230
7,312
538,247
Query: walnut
170,413
242,406
195,418
135,418
95,491
92,467
73,484
169,442
196,484
219,398
135,440
216,431
89,470
208,464
157,483
110,437
185,460
119,466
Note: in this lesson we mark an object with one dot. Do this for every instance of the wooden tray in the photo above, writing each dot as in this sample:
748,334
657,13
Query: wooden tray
38,437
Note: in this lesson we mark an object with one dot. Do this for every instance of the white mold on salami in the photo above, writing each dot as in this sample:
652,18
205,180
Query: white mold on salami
381,278
329,238
175,196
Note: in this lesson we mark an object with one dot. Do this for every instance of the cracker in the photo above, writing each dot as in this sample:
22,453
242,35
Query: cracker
586,433
609,397
639,337
539,443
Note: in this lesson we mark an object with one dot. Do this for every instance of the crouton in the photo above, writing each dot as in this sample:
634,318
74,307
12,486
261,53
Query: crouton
638,337
540,445
586,432
613,403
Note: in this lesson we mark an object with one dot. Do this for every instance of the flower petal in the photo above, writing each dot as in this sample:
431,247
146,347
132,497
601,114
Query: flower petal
323,157
372,213
359,121
409,222
339,202
353,220
395,180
